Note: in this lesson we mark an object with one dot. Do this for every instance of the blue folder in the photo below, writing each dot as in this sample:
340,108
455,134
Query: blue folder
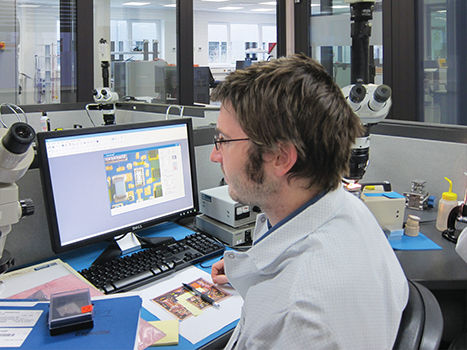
116,323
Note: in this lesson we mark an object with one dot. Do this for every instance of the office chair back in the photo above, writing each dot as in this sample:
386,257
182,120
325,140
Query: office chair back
421,325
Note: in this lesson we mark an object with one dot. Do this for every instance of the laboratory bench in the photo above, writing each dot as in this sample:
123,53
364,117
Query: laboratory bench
435,269
442,271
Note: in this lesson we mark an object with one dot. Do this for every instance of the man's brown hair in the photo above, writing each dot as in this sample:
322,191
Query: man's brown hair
294,100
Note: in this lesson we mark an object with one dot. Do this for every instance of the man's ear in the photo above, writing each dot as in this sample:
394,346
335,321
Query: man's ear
283,158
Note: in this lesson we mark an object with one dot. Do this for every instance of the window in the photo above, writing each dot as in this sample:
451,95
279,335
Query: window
135,40
246,41
218,38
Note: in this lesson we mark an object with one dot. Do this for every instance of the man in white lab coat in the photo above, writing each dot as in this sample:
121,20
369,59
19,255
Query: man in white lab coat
321,273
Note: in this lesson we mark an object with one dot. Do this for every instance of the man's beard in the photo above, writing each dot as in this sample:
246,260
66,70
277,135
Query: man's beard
255,187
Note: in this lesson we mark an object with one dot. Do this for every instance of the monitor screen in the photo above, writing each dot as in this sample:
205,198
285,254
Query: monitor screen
110,180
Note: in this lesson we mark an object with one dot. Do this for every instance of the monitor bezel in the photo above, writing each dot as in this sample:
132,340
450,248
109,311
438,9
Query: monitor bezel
47,188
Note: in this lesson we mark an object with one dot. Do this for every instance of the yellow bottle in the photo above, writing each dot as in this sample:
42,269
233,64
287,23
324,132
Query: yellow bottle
445,205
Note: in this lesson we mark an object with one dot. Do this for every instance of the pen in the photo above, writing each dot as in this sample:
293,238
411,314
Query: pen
203,296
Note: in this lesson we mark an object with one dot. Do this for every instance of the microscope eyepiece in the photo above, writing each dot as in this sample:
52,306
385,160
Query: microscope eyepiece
357,93
18,138
380,96
382,93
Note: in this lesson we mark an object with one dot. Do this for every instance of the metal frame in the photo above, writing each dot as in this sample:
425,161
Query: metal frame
401,71
457,53
302,26
281,25
185,52
84,50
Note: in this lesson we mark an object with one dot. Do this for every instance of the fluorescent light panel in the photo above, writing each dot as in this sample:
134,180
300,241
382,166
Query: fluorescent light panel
230,8
134,3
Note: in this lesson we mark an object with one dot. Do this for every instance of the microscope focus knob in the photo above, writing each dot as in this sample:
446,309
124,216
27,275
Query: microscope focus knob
27,207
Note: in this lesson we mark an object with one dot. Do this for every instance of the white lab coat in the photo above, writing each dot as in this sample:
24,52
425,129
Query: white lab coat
323,278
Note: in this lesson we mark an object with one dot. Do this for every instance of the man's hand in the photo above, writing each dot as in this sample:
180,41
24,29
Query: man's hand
218,273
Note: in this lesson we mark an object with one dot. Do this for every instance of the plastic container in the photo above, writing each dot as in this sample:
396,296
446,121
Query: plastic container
445,205
45,122
70,311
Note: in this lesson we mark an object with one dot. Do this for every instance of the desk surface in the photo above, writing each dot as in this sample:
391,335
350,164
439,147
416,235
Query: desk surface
82,258
435,269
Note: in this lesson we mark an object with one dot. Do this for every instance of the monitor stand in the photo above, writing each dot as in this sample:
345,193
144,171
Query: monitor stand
127,244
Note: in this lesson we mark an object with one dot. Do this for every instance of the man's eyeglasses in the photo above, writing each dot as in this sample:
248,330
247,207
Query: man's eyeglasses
219,140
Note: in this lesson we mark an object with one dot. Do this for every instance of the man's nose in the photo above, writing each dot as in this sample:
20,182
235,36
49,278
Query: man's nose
215,155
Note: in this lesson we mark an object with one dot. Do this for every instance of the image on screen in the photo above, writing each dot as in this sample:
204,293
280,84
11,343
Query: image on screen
106,181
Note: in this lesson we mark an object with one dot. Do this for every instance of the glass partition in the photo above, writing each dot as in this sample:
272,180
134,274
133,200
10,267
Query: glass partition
37,52
143,40
331,39
443,56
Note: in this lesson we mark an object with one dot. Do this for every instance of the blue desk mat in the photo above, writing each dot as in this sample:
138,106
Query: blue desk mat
82,258
420,242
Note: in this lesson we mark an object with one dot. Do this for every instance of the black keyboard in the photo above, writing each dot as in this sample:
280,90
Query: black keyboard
150,264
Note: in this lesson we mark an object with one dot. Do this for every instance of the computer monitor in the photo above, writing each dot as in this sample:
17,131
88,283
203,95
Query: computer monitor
243,64
203,81
106,181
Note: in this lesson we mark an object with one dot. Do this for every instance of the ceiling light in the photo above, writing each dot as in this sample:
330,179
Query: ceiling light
340,6
272,3
262,10
26,5
230,8
170,5
135,3
215,0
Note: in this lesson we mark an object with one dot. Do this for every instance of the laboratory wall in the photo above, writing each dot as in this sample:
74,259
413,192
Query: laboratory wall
400,160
